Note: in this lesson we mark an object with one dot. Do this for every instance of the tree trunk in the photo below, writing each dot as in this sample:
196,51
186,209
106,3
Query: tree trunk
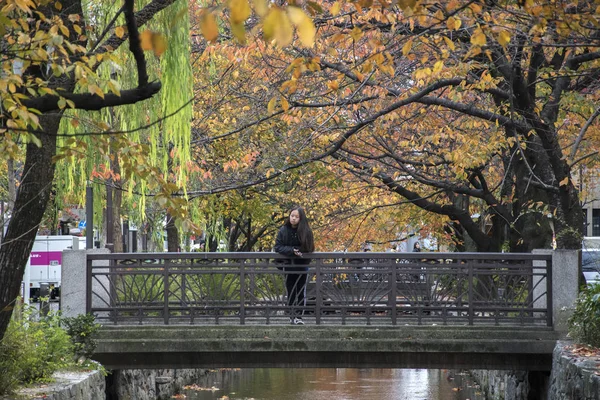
30,204
172,235
117,195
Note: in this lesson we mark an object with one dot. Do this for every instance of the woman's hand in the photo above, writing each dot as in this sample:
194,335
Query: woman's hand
297,252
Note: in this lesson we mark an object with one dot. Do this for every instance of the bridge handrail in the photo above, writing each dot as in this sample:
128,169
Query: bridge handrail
343,288
323,255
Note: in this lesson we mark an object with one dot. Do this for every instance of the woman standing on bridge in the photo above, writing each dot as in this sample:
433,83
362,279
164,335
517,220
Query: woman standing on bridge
293,240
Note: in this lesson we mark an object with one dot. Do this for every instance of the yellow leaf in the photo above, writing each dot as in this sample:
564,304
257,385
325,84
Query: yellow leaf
271,105
304,25
284,104
114,87
146,40
159,44
335,8
95,89
239,32
240,10
478,38
504,38
453,23
261,7
58,6
406,48
457,24
564,182
449,43
450,23
356,33
208,26
476,8
277,26
407,4
120,31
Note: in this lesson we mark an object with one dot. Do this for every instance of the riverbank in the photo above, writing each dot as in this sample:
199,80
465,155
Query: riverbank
67,385
575,375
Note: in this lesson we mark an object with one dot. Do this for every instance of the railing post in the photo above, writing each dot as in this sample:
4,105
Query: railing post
88,286
470,299
166,291
394,292
242,292
549,314
318,288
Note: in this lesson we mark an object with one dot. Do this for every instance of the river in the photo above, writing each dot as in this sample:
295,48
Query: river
334,384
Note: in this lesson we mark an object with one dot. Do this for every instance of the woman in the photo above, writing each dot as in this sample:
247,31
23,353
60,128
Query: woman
293,240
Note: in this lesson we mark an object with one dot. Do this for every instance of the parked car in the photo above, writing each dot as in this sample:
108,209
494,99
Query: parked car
590,264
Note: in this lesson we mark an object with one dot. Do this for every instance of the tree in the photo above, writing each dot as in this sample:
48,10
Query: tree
46,48
51,57
464,109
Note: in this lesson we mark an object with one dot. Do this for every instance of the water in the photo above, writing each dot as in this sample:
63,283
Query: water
336,384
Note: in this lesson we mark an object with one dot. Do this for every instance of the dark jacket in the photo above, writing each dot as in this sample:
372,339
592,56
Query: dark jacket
287,240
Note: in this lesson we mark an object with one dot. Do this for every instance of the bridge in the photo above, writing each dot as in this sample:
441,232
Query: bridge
401,310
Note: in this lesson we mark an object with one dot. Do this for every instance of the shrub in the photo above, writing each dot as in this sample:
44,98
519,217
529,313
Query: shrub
81,329
32,349
584,324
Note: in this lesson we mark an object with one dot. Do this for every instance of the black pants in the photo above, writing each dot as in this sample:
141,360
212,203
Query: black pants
295,284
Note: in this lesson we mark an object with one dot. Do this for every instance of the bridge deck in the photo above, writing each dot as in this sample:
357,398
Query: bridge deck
326,346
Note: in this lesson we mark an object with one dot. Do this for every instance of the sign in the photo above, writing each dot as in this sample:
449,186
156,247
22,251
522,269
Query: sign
81,225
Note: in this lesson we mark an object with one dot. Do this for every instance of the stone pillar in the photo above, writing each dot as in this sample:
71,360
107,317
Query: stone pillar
565,285
73,279
566,266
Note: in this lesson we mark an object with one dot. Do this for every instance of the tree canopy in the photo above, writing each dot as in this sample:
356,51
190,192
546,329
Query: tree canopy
469,120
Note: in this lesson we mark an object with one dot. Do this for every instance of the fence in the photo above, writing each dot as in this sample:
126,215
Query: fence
341,288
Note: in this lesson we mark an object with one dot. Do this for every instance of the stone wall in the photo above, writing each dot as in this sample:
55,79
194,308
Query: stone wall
89,385
574,376
502,385
146,384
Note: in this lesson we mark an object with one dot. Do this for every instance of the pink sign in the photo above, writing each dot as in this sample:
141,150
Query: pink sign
45,257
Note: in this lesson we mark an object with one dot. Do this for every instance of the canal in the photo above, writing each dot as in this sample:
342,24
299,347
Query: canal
331,383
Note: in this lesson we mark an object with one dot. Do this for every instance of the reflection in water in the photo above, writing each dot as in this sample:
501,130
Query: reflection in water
338,384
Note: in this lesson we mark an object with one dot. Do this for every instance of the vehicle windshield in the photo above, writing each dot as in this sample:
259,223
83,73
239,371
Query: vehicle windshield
590,260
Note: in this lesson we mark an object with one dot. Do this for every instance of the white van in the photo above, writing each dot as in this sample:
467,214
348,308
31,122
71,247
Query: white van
45,262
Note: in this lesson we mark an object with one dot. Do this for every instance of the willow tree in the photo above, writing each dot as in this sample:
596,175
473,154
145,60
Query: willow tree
51,63
48,67
154,138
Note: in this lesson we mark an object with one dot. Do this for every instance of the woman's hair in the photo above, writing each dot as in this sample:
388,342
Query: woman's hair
305,234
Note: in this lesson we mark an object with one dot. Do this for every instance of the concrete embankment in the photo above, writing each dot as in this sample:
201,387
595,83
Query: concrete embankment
69,385
575,376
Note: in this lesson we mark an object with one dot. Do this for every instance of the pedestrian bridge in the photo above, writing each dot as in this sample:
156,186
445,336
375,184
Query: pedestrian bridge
402,310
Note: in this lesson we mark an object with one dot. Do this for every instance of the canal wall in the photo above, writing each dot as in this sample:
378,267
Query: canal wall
150,384
574,376
68,385
502,385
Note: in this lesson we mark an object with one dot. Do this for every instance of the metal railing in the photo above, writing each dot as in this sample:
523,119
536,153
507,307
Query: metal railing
341,288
